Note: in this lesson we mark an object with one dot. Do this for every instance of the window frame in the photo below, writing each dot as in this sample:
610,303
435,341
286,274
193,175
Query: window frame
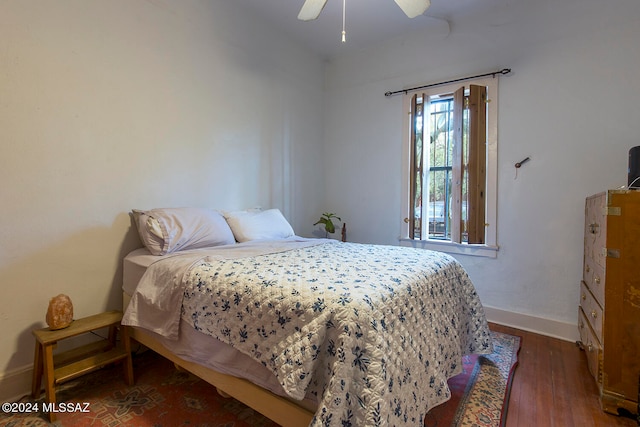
490,247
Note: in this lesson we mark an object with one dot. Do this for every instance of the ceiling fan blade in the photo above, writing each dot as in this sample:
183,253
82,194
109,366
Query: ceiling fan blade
311,9
413,8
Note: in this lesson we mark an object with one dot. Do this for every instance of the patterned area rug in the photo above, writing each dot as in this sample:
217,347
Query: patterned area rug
166,397
480,394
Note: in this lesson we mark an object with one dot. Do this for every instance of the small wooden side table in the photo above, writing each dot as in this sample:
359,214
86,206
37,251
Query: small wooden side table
82,360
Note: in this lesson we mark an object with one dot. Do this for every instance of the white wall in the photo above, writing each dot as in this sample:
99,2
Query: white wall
571,104
111,105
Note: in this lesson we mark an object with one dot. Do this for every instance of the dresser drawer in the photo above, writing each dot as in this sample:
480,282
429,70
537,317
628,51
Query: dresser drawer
592,310
595,232
591,345
593,276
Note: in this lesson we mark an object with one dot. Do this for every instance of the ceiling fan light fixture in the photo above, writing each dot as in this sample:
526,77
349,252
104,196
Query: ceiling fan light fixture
311,10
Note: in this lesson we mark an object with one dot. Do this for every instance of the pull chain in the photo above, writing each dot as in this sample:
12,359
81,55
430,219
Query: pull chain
344,12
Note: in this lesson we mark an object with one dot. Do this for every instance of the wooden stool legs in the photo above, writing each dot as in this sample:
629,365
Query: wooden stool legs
37,372
79,361
128,362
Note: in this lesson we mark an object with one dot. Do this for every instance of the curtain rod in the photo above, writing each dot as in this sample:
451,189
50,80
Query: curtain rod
503,71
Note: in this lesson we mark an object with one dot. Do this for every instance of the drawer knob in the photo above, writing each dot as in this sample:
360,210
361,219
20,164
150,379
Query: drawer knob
588,269
594,314
593,228
590,348
597,279
584,297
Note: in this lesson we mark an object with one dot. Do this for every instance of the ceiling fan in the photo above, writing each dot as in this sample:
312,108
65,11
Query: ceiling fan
311,8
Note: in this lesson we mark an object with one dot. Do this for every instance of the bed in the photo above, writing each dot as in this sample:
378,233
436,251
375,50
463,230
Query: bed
306,331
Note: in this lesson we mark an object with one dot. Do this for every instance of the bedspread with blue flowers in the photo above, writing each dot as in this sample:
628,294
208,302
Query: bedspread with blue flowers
374,332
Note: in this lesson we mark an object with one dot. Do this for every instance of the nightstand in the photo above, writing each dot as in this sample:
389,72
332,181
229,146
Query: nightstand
79,361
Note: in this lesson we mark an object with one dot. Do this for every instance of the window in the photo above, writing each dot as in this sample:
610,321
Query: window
450,168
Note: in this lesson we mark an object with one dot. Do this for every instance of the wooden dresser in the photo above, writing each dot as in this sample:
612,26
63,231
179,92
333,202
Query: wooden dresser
609,312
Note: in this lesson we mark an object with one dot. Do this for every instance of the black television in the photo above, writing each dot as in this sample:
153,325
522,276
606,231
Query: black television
634,168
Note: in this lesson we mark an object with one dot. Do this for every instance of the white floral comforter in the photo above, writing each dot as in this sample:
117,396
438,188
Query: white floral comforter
373,331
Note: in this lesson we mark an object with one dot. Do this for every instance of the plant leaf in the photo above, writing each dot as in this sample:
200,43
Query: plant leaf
329,227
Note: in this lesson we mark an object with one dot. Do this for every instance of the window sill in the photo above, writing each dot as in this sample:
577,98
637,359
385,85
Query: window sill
452,248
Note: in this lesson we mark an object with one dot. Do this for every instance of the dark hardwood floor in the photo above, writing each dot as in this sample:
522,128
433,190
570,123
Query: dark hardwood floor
552,386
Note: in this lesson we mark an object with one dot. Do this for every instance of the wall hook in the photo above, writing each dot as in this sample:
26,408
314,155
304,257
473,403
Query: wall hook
519,165
522,162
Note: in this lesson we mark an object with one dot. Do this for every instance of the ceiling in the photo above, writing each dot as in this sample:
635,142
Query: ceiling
371,21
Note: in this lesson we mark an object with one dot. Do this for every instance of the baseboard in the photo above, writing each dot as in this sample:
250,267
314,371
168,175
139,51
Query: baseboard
551,328
15,384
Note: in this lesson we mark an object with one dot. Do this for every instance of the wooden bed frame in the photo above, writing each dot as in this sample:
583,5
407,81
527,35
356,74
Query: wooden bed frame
287,413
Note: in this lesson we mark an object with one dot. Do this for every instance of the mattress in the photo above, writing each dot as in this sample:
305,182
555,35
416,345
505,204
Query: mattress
137,262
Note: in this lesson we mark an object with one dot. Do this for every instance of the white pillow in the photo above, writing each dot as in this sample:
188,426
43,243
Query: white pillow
168,230
261,225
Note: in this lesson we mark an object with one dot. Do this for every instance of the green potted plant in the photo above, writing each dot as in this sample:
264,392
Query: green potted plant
327,220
